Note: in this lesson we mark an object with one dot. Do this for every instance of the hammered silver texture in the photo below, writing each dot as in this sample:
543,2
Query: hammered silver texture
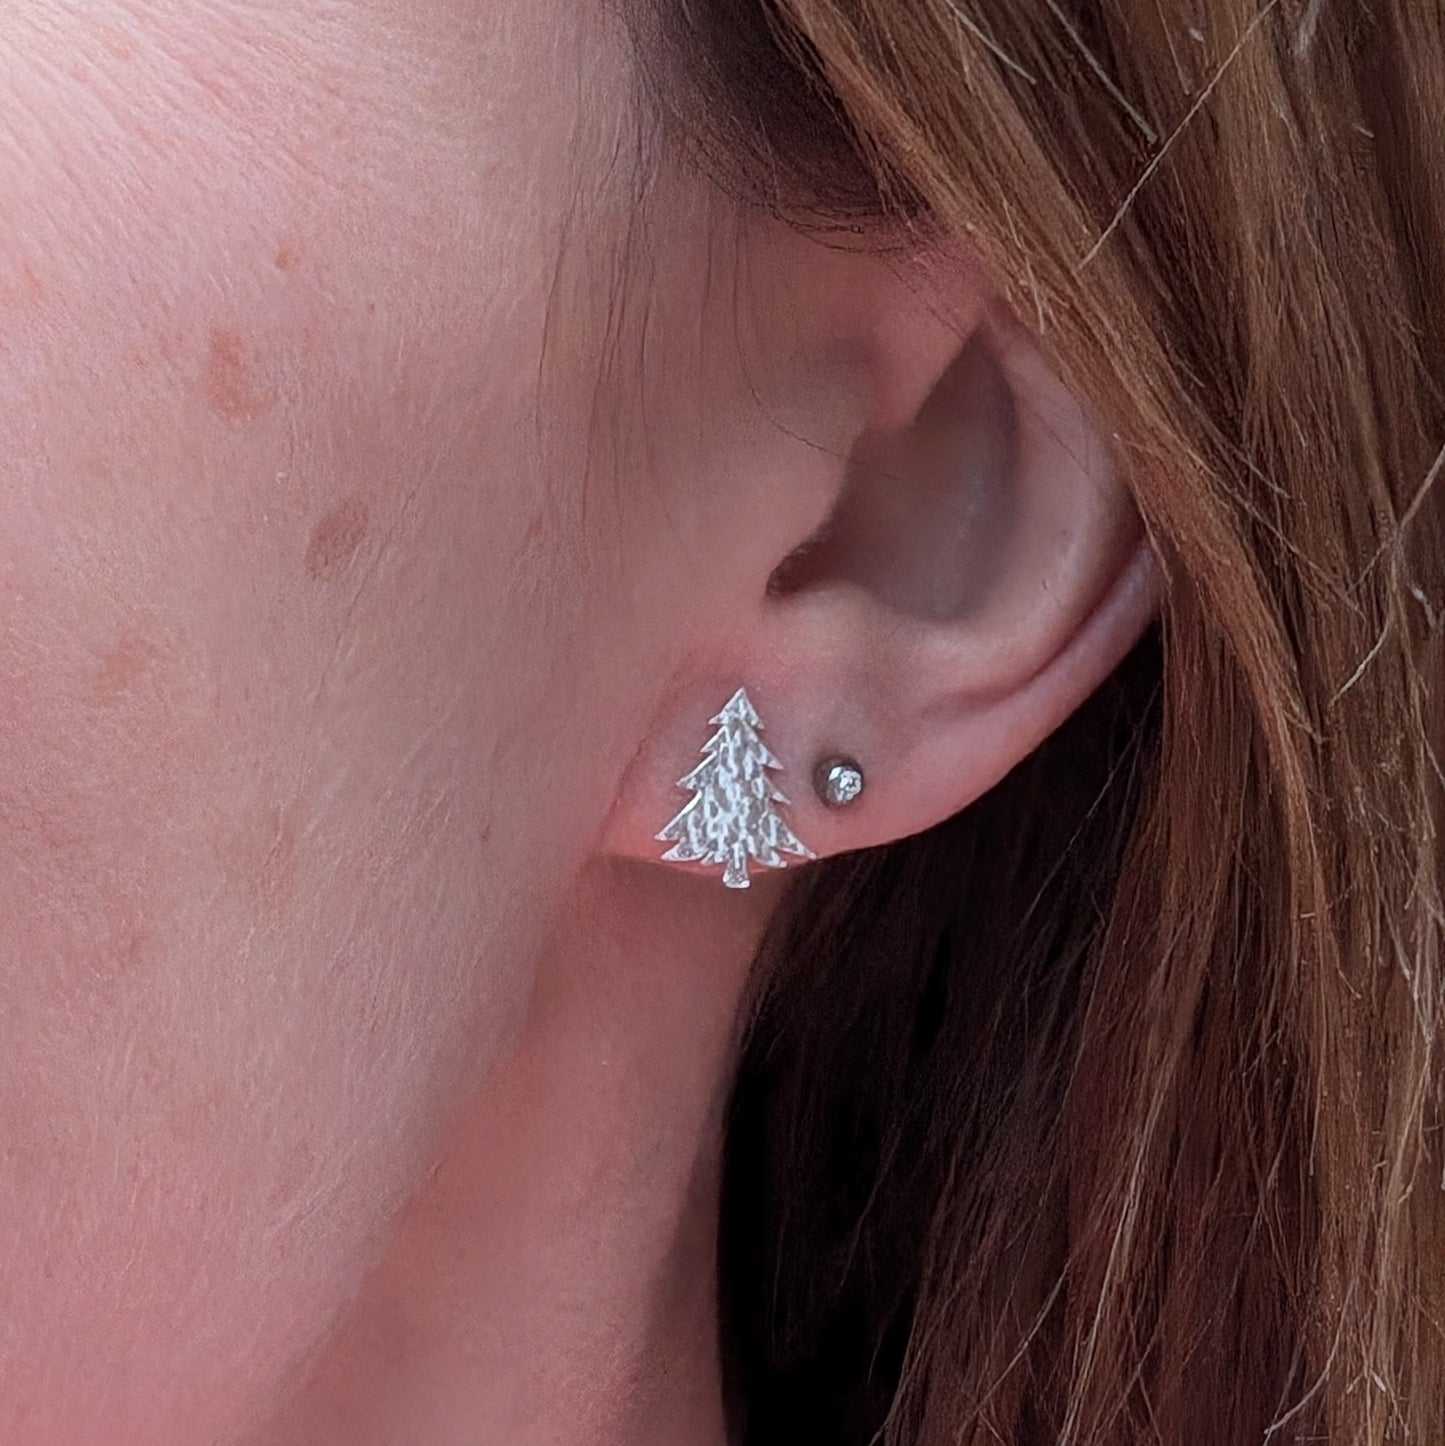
733,816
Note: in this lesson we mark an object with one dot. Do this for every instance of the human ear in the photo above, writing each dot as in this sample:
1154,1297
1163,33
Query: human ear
978,570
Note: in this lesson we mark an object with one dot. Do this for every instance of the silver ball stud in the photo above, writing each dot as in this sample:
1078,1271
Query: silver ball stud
838,781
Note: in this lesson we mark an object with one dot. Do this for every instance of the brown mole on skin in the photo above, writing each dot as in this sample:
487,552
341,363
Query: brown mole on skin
336,538
286,256
230,388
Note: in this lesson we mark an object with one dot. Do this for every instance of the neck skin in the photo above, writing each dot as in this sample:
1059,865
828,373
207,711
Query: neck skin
554,1279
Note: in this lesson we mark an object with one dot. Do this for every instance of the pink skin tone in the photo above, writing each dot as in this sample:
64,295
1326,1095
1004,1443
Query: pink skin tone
366,588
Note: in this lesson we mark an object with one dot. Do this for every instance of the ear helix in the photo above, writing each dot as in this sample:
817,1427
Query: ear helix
733,816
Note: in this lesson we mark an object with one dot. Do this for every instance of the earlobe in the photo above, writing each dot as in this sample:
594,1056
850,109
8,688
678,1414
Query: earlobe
981,571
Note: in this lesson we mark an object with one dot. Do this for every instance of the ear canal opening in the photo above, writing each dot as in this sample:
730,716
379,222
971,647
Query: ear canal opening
925,511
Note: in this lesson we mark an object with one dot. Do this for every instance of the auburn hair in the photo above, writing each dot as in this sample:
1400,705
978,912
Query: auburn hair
1109,1111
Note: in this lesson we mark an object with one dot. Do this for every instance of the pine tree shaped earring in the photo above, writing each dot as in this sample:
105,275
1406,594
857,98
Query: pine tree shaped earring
732,816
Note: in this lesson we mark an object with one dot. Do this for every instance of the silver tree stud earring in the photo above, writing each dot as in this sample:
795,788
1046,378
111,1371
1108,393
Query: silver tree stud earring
732,816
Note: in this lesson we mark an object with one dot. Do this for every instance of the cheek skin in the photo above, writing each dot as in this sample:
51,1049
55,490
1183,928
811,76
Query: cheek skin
291,646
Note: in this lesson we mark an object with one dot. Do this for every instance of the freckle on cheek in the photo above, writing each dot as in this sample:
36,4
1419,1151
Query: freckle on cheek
230,384
134,655
22,292
114,40
188,1119
336,539
129,937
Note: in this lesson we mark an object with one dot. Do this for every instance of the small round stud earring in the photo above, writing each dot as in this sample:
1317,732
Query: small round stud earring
838,781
